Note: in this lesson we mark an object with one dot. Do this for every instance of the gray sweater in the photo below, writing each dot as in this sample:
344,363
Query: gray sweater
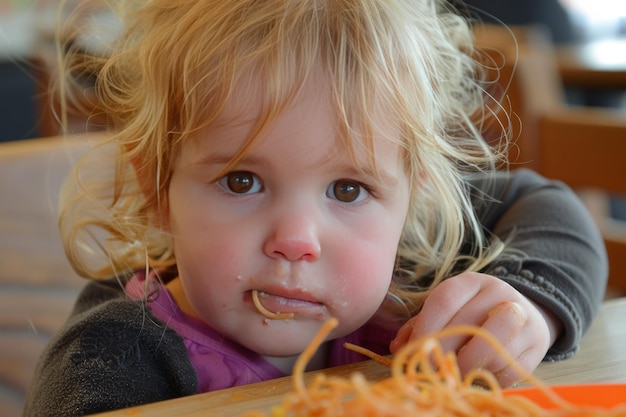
112,353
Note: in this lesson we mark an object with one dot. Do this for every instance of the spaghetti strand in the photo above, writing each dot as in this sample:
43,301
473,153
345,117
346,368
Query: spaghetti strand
424,381
267,313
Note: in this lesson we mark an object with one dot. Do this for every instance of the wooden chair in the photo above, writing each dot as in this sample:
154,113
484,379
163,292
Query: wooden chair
37,285
587,150
511,56
581,146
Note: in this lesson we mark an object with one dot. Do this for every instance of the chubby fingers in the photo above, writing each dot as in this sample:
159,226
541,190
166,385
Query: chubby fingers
508,322
452,302
403,335
505,322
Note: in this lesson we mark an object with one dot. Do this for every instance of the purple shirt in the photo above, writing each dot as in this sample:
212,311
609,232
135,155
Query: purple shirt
221,363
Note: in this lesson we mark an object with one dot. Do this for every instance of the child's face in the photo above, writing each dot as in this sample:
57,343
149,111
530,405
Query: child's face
296,219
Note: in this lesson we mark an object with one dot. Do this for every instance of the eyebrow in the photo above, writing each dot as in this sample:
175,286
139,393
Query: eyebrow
380,175
226,160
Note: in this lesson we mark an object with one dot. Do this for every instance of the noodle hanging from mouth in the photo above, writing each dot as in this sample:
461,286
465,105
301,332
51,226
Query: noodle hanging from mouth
267,313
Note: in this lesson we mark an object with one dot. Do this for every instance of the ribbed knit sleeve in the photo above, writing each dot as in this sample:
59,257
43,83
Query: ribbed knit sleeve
557,257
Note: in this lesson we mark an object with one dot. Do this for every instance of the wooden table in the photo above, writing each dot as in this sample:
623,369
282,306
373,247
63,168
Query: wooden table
594,64
602,358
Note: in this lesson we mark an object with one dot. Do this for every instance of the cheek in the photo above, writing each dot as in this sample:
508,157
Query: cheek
373,263
365,272
213,280
366,262
206,251
209,251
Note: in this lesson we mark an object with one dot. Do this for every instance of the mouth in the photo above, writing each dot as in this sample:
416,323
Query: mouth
281,306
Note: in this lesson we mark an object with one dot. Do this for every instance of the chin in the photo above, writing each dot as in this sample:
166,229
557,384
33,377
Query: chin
277,346
281,351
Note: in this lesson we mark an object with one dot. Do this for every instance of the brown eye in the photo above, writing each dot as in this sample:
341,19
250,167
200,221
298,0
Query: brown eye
347,191
241,182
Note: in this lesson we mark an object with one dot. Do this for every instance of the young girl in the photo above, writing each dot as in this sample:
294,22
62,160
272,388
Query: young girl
280,162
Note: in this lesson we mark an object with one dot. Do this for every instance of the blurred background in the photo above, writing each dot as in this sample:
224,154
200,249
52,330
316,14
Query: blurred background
23,26
27,29
597,18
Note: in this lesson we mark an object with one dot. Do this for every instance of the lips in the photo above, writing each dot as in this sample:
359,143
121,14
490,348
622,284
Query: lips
281,301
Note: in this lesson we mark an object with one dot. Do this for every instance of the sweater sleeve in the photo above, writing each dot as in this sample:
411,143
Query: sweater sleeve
555,257
111,354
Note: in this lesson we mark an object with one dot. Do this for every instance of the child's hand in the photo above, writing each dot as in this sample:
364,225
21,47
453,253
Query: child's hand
524,329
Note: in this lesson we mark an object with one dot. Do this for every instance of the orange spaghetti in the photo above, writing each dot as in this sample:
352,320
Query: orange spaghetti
424,381
267,313
365,352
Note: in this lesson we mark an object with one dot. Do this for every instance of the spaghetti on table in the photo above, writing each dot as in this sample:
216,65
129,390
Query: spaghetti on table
424,381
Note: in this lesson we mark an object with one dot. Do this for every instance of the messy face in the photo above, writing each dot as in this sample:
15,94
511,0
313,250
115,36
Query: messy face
299,220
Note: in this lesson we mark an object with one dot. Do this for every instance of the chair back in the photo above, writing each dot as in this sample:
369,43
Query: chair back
522,76
37,285
583,147
586,149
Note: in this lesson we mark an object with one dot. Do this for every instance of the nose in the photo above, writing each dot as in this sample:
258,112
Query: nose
293,237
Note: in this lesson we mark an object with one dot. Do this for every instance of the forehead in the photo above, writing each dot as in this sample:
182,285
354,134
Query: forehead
255,112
